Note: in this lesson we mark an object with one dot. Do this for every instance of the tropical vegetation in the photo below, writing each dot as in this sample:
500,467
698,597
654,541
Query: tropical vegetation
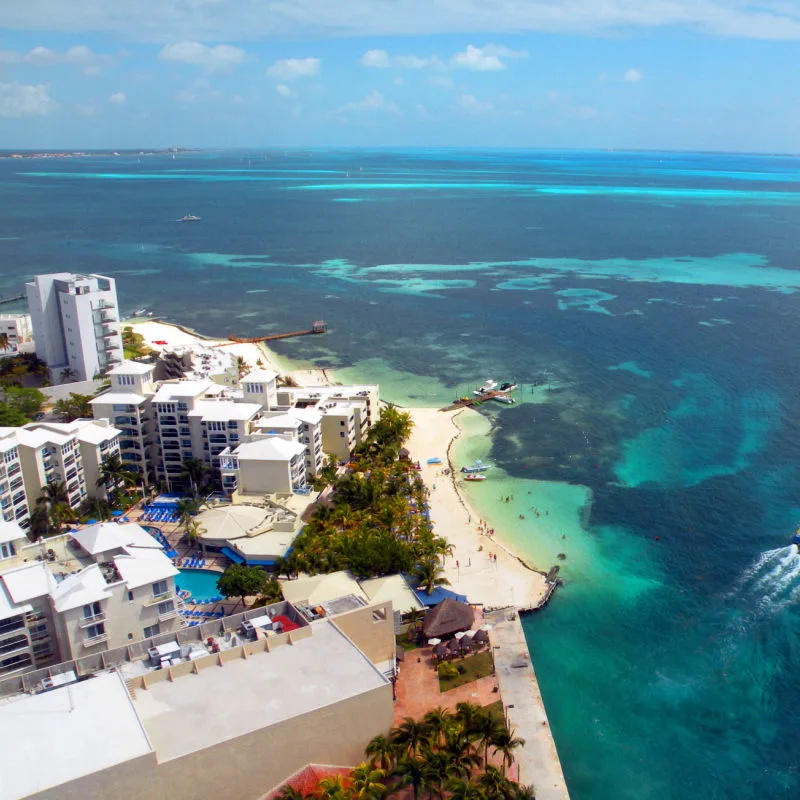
24,368
76,406
460,755
133,345
241,581
115,477
51,511
374,523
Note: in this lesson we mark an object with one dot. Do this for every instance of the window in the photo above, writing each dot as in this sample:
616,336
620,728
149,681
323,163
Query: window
159,588
166,607
7,550
342,434
13,643
10,455
151,630
379,615
15,662
130,595
254,388
125,380
93,631
92,610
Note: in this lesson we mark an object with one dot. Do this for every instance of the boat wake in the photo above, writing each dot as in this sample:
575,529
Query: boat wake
771,583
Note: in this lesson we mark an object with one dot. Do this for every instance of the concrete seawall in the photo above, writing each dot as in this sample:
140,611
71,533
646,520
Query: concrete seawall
524,708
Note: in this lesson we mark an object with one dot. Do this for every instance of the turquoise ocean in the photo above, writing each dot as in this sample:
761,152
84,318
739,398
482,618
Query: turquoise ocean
646,303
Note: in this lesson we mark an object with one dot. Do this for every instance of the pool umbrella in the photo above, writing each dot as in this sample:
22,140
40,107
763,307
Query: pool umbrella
433,642
460,635
465,645
91,522
486,627
481,637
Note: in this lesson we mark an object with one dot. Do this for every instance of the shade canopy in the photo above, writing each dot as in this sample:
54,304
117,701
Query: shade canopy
433,642
447,618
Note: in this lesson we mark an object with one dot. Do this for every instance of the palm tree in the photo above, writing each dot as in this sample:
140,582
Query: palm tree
487,728
410,771
506,743
194,471
494,782
466,790
186,507
52,508
437,771
242,366
193,531
4,343
430,574
68,375
381,752
332,788
439,721
115,475
98,509
410,735
288,793
367,782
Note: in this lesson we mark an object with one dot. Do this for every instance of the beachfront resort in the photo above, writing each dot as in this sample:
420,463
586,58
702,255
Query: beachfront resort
152,640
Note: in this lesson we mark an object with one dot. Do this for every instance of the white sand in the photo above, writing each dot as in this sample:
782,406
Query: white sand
506,582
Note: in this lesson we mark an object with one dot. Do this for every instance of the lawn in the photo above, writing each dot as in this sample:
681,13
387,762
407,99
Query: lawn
470,669
496,710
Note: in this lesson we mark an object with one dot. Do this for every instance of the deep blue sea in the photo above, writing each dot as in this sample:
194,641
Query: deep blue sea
648,305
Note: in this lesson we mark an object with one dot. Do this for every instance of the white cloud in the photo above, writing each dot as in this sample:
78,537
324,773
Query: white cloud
471,104
25,100
118,98
485,59
632,75
284,91
78,56
378,59
374,101
221,58
442,81
214,20
290,69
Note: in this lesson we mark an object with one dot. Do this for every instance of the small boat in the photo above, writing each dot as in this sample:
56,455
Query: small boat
478,466
489,386
507,387
473,477
504,398
140,312
796,538
189,218
436,460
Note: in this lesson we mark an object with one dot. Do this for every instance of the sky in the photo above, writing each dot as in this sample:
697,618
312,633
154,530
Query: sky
624,74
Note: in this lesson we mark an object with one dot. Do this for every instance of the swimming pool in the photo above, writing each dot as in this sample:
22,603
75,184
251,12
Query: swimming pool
200,583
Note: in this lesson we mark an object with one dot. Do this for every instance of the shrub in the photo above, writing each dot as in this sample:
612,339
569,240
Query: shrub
447,670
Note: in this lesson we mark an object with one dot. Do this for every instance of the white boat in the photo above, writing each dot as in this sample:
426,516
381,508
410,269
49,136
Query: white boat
140,312
478,466
489,386
189,218
473,477
502,398
506,387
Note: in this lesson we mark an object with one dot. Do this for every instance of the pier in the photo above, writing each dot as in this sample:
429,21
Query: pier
523,707
318,327
467,402
12,299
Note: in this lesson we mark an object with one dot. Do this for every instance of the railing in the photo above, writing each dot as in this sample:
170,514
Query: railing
167,615
87,621
95,640
159,598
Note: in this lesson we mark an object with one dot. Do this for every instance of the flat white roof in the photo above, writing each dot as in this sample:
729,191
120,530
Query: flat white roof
10,532
199,711
105,536
270,544
141,567
131,368
91,433
168,392
8,608
394,588
223,410
309,415
279,421
259,376
87,727
272,449
118,398
28,581
317,589
40,436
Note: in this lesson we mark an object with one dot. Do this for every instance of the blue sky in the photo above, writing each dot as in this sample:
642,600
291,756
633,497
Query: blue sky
653,74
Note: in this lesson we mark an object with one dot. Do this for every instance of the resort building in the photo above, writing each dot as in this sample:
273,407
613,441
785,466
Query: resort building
75,324
128,405
229,709
17,330
81,593
13,499
263,466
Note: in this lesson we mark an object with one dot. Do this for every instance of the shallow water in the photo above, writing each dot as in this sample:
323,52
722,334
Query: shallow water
647,305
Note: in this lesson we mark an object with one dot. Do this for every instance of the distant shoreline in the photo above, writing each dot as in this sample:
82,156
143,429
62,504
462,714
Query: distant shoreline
22,154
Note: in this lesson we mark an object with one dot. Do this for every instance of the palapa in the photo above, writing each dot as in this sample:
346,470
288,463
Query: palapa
440,651
447,618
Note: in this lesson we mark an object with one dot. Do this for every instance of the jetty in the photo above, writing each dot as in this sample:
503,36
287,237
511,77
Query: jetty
468,402
523,708
12,299
320,326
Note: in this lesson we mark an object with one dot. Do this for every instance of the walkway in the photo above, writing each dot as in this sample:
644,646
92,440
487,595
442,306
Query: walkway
538,759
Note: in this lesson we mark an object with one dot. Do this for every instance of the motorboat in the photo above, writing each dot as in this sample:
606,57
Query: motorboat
474,477
140,312
504,398
796,538
472,469
487,387
506,387
189,218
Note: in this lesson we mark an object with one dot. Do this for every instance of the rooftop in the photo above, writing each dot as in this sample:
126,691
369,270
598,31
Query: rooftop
118,398
259,376
224,410
10,532
140,567
80,588
94,724
314,590
272,449
131,368
106,536
168,392
253,693
394,588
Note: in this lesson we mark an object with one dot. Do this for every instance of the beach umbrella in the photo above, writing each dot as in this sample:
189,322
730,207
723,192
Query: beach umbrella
470,634
116,513
481,637
440,651
453,645
465,645
486,627
460,635
433,642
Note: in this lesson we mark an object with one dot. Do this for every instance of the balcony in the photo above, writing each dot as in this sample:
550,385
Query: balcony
87,621
168,615
93,641
159,598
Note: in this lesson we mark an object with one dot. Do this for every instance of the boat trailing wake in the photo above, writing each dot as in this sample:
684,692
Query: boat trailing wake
770,584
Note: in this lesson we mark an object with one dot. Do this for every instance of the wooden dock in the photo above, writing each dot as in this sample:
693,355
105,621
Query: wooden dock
318,327
468,402
12,299
552,582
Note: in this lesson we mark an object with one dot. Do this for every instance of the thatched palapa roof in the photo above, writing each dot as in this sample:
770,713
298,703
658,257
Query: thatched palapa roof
447,618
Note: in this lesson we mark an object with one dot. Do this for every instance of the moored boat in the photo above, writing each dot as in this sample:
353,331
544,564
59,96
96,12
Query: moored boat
189,218
504,398
472,469
474,477
507,387
796,538
487,387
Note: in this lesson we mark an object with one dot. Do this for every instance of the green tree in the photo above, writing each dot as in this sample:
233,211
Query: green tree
53,509
28,401
68,375
409,735
410,771
241,581
76,406
505,743
429,574
194,472
11,417
186,507
381,752
333,788
114,476
288,793
4,343
368,782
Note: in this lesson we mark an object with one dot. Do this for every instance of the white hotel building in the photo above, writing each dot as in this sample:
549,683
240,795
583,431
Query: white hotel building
75,323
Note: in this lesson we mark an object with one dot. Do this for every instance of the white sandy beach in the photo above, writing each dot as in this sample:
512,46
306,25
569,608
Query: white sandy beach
506,582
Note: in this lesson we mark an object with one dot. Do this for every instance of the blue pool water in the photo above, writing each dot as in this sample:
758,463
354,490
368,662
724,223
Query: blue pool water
200,583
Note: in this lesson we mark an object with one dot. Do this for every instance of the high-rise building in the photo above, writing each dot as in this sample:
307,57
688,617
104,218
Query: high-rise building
75,323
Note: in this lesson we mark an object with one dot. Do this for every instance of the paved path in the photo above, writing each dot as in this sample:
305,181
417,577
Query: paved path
538,760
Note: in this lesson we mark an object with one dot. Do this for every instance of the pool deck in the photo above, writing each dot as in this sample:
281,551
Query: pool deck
538,760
